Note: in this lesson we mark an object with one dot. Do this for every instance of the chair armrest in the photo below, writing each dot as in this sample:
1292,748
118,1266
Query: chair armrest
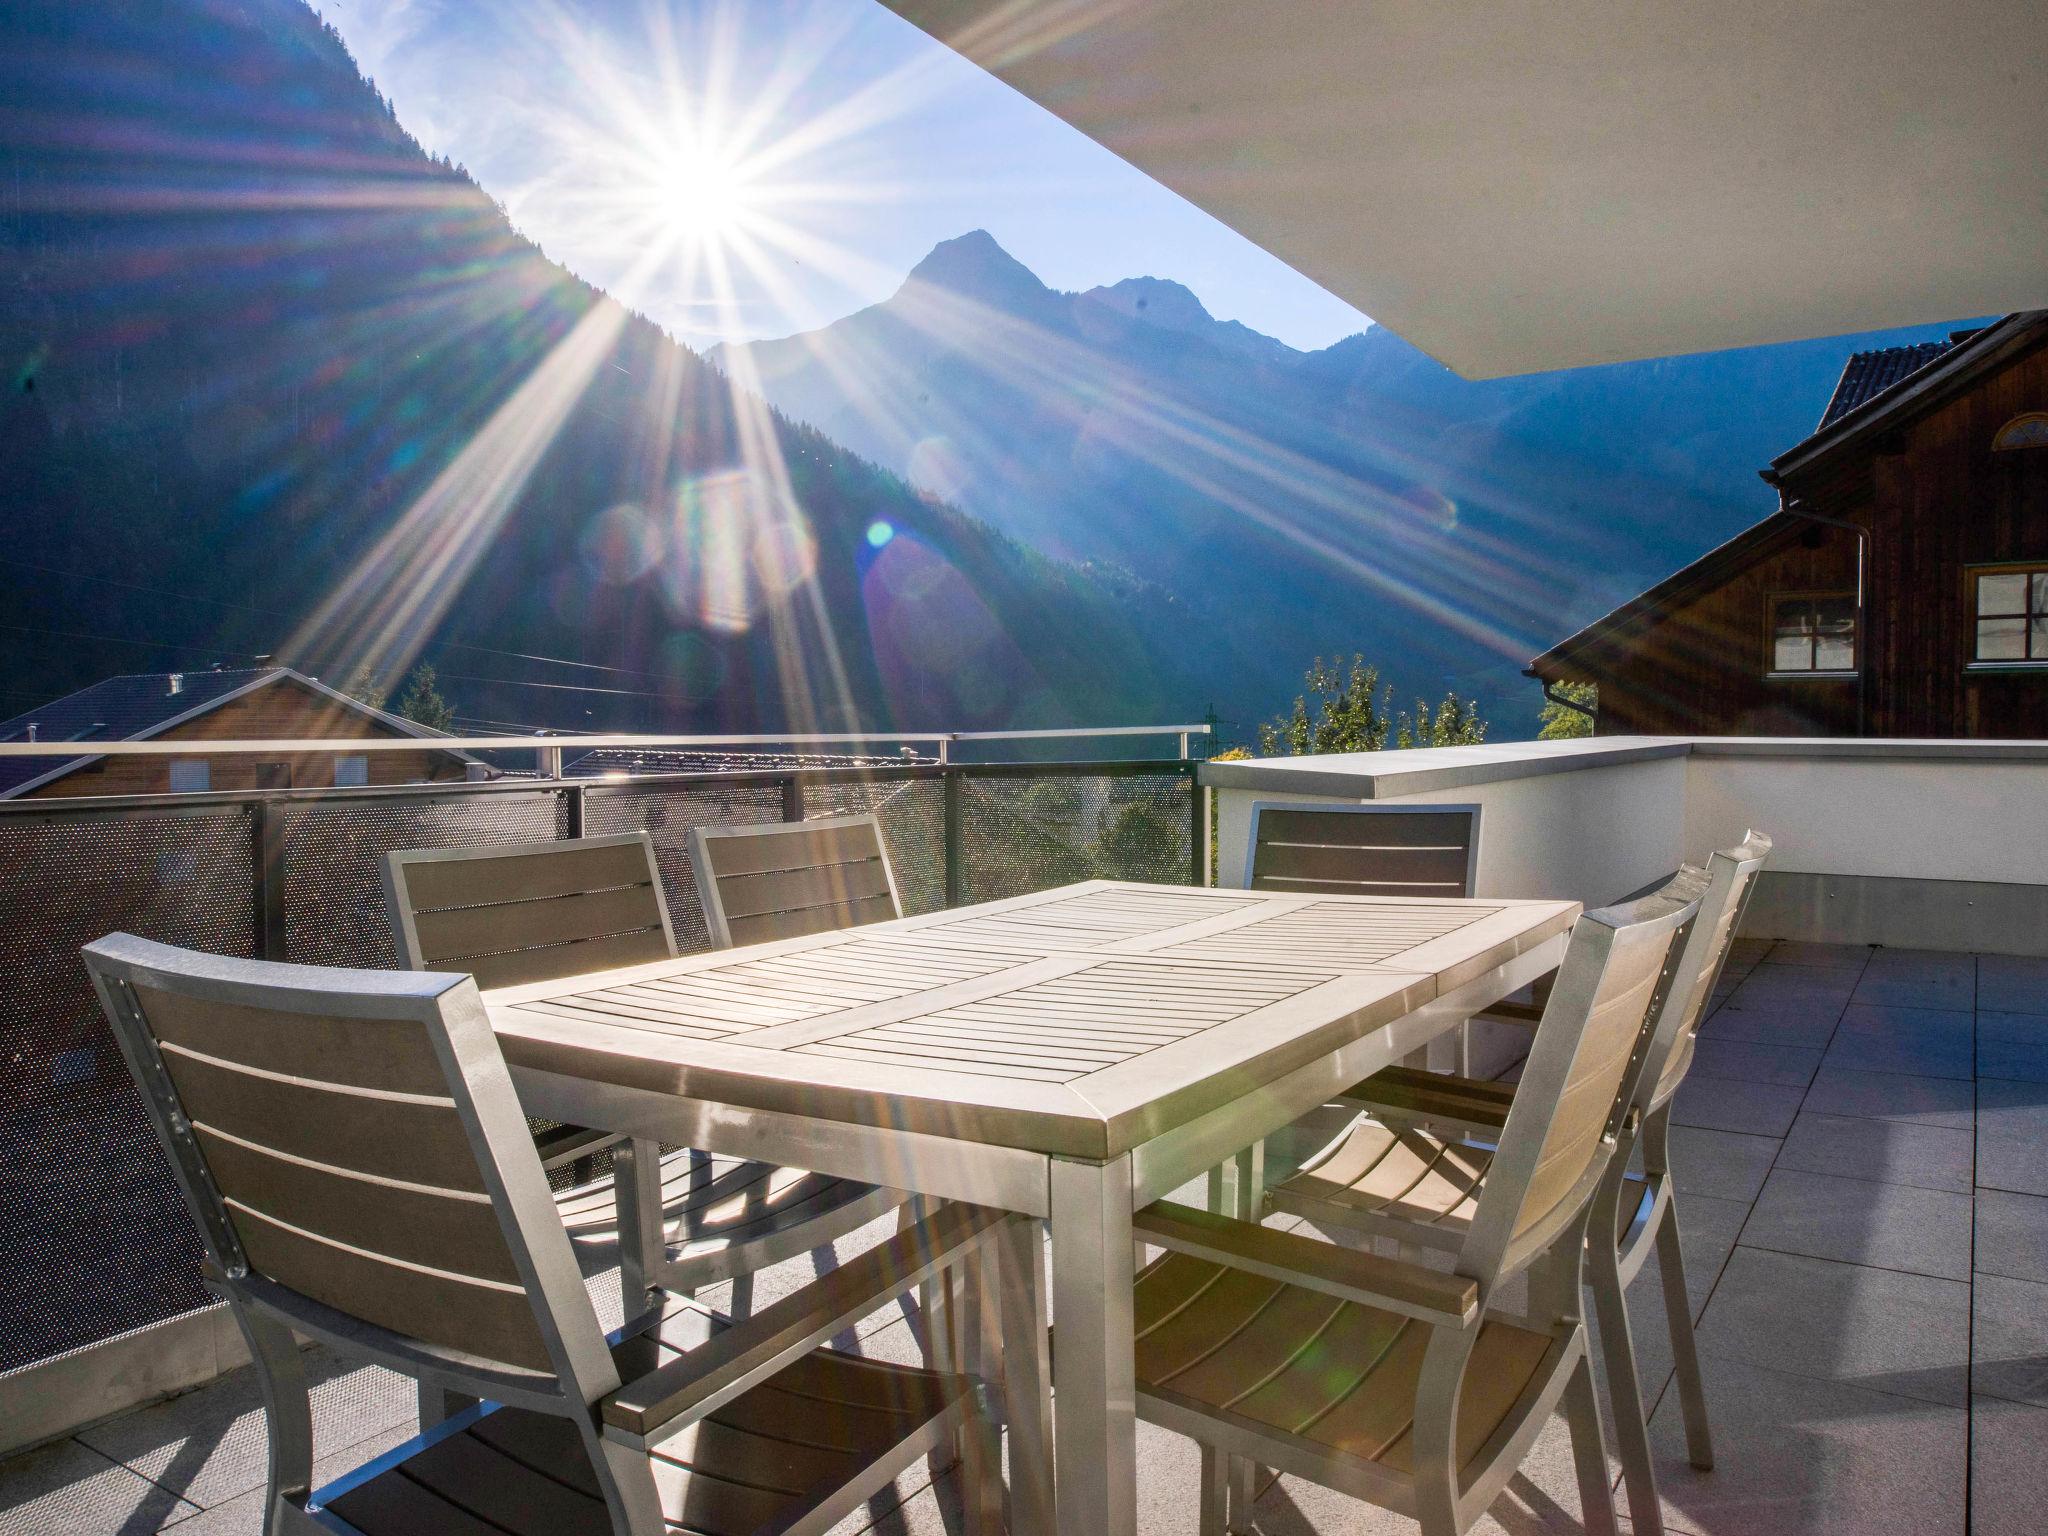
1412,1094
1393,1285
672,1397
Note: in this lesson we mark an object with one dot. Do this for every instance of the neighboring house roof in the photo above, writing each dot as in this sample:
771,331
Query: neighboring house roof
1892,393
1869,374
1638,613
139,706
604,760
1877,392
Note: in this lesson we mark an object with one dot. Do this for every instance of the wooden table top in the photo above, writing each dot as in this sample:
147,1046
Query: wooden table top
1080,1021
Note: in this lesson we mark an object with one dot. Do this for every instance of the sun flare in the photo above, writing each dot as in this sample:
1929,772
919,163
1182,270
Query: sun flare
702,193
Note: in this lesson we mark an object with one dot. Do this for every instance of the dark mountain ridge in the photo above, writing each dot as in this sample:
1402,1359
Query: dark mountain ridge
276,381
1357,497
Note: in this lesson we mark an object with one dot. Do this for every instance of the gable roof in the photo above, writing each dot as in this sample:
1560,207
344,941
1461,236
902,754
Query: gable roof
1877,391
141,705
1640,612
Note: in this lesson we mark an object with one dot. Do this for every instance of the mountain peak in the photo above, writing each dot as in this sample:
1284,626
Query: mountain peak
974,266
1155,300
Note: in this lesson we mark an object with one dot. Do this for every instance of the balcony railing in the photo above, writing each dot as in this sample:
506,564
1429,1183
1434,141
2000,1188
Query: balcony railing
89,1210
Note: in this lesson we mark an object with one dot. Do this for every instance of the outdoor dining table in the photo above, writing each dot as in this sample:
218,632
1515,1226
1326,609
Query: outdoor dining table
1072,1054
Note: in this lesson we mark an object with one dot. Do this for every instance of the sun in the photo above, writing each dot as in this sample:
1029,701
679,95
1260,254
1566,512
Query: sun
703,193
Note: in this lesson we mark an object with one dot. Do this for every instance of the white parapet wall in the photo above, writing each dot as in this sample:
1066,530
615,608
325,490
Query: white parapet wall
1935,843
1582,820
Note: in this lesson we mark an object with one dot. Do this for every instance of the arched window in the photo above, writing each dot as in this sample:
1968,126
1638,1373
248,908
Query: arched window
2029,429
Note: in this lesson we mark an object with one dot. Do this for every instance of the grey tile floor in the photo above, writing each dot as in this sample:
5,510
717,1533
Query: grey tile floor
1863,1167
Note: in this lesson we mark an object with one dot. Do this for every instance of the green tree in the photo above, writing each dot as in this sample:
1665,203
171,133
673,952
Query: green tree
1138,843
1339,710
1453,723
1344,709
365,687
422,703
1562,724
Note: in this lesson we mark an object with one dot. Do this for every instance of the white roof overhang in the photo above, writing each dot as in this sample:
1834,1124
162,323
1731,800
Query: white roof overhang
1525,186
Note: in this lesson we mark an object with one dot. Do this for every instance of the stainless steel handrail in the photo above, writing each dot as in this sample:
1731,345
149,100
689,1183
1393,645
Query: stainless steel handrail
306,744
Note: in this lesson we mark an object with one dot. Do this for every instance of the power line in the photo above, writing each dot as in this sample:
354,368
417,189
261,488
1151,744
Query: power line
516,682
514,727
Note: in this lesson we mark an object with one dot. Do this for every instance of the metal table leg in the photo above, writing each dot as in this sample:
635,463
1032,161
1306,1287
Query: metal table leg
1027,1376
1095,1394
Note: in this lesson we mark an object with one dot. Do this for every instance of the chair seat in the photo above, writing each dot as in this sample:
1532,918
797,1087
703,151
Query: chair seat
1299,1364
712,1203
760,1463
1415,1177
1399,1173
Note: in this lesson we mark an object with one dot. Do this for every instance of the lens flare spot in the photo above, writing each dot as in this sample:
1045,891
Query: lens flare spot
705,575
880,533
620,545
785,554
911,593
1429,507
936,470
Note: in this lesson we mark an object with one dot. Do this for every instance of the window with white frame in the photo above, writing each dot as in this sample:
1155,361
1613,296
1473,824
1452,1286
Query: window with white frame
190,774
351,768
1813,633
2011,614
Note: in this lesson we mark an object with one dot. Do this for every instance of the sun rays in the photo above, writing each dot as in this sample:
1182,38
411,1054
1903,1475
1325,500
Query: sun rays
711,168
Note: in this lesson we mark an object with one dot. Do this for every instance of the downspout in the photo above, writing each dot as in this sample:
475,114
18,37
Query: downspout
1550,697
1792,506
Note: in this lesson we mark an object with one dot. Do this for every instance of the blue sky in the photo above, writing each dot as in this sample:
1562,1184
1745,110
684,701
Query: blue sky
864,143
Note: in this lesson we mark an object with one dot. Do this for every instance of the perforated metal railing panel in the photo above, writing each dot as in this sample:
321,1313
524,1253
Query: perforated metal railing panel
94,1240
913,817
333,887
666,812
1021,834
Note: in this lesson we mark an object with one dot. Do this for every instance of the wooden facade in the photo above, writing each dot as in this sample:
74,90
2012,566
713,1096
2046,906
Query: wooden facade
1931,500
284,709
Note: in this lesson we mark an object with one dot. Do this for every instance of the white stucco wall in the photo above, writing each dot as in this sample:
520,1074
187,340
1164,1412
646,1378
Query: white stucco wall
1589,835
1949,818
1594,820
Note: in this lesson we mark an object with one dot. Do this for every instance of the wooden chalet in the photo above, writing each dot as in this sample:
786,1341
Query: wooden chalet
1900,590
259,704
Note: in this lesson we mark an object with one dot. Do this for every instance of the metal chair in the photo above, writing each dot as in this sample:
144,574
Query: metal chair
526,912
1363,850
1367,850
1415,1170
784,879
1410,1387
353,1154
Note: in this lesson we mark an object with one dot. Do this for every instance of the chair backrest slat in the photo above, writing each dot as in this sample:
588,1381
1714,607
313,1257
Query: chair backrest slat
1588,1054
529,912
781,880
1731,880
1593,1077
1364,850
353,1138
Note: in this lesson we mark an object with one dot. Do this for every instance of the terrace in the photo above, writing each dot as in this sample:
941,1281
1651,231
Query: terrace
1862,1146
